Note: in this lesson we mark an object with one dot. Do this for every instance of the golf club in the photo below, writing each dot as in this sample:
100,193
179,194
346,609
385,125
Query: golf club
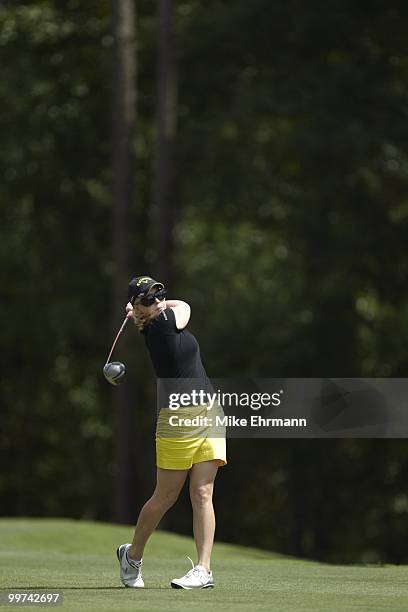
115,371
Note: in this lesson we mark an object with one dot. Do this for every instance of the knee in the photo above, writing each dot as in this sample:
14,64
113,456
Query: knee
201,495
165,499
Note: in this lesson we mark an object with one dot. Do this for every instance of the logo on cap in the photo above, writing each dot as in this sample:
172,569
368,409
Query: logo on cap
144,279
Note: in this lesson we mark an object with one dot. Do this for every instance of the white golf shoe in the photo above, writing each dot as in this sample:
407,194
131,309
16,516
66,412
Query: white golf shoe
196,578
130,571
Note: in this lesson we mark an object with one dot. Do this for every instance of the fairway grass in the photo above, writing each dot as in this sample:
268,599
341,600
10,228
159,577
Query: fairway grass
79,558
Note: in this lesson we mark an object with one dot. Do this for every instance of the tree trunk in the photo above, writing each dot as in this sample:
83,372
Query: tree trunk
123,165
163,207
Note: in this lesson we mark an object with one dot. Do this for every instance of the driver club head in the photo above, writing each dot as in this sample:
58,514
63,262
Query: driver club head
114,372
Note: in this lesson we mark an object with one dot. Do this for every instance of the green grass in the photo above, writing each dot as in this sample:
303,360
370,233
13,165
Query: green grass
79,558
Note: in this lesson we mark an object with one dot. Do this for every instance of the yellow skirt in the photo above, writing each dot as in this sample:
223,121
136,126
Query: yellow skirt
181,453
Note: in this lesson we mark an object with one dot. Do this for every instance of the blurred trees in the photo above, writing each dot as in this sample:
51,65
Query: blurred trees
291,180
164,204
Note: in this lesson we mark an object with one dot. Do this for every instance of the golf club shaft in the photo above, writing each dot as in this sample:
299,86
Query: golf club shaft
122,327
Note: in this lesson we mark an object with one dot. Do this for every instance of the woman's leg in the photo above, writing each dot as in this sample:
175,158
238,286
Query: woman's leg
202,476
168,487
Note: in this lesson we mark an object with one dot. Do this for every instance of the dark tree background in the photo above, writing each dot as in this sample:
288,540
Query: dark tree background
268,158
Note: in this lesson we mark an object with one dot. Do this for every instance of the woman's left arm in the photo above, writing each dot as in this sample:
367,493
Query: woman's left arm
181,310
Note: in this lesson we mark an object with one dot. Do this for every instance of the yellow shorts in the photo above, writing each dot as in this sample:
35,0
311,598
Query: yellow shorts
182,453
180,449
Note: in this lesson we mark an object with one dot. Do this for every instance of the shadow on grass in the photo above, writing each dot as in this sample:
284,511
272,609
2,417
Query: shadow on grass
79,588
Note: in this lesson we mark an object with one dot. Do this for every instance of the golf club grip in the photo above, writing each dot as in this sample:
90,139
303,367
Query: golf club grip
122,327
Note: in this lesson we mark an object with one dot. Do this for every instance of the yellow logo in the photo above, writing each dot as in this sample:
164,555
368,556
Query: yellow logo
144,279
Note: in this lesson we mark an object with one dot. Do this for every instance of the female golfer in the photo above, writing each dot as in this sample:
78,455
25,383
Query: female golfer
175,354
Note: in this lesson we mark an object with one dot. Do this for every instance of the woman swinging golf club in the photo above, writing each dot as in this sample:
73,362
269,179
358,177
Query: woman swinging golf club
175,354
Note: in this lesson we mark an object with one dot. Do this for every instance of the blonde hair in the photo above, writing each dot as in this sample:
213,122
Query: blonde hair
141,320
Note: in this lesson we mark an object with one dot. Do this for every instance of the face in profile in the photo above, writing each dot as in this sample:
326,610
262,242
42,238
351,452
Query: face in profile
145,312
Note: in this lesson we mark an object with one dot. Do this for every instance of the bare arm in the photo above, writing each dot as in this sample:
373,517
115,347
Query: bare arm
181,310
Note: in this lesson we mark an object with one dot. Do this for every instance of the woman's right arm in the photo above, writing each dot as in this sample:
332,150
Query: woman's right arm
181,310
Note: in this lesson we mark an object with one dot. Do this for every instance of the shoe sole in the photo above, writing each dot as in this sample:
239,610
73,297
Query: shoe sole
174,585
118,553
